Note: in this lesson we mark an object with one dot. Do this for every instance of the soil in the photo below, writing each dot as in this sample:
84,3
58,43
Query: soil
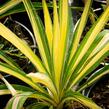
75,105
100,93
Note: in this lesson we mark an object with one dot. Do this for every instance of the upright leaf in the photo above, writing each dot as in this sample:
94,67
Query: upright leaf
80,28
60,40
39,34
56,38
48,24
87,41
100,41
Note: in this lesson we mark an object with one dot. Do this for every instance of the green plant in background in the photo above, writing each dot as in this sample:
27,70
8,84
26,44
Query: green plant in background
65,60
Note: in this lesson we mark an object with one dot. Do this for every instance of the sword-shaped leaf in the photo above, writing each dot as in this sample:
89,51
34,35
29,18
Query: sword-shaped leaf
80,28
87,41
89,38
60,39
19,74
90,65
22,46
94,77
56,38
48,25
39,33
100,42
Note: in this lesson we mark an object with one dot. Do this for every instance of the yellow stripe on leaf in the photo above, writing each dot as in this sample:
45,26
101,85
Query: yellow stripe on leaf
39,33
56,39
22,46
61,42
92,62
9,5
100,24
48,25
80,28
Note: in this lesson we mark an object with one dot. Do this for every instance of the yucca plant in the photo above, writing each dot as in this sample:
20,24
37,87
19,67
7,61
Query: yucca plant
65,60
